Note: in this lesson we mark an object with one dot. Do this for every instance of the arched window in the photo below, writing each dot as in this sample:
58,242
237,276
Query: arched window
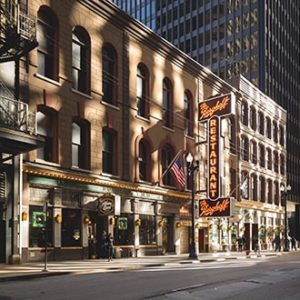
109,74
81,60
282,164
167,155
47,128
254,187
269,127
47,37
262,185
275,132
261,123
269,159
262,158
253,152
142,91
245,148
276,193
188,114
244,113
281,135
144,161
167,103
81,144
270,191
253,123
276,161
109,151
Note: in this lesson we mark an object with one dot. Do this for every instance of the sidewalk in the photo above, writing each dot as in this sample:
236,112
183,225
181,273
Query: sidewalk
36,269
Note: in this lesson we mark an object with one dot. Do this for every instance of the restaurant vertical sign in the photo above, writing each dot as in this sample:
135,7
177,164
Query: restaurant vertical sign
212,111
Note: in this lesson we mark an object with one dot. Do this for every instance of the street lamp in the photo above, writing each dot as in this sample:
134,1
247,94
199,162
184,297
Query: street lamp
284,193
192,166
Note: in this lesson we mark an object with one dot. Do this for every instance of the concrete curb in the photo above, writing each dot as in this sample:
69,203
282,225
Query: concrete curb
41,274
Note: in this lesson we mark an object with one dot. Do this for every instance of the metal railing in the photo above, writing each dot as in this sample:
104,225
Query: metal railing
27,26
15,115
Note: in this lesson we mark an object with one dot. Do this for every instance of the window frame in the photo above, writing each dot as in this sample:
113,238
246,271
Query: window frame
81,38
112,153
47,24
143,99
167,107
109,76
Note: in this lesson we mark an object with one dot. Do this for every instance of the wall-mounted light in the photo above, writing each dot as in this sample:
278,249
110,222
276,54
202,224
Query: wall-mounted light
161,223
178,225
86,219
138,222
24,216
58,218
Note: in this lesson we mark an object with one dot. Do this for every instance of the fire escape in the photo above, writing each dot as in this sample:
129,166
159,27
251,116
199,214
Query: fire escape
17,31
18,132
17,38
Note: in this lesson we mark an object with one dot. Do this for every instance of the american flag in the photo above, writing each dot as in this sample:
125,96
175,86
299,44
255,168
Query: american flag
177,170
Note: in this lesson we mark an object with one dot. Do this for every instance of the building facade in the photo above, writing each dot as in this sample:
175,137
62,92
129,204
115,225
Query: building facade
114,103
258,39
260,149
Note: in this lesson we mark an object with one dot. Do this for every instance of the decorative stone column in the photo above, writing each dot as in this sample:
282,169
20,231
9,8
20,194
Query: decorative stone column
56,197
177,230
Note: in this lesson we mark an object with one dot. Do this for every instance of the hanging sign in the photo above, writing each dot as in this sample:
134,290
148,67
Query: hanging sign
211,111
219,208
219,106
214,161
106,205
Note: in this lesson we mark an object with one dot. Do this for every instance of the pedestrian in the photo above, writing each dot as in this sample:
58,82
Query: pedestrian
240,244
103,245
110,246
277,243
255,244
293,241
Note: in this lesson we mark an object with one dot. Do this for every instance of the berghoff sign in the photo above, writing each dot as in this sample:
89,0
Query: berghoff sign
219,106
214,161
211,111
106,205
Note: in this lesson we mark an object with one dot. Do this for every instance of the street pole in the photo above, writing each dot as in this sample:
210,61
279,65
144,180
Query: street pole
191,171
284,194
193,254
286,246
46,239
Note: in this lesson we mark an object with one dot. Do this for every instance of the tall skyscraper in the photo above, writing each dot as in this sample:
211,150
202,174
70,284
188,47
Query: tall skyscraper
259,39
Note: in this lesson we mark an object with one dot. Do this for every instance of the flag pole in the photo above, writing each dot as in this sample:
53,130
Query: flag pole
170,165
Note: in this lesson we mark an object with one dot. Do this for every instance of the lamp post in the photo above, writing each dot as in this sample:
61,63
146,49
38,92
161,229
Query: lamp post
284,193
192,166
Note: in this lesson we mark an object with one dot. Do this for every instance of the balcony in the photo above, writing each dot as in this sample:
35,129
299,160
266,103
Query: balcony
18,131
17,31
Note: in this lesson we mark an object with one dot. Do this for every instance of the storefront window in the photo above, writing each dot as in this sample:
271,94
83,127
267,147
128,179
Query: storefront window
147,230
71,227
40,227
123,230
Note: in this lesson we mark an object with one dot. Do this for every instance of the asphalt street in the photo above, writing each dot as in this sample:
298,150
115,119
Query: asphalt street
256,278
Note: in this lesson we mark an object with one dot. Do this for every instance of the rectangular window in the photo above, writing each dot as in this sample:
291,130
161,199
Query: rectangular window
147,230
124,230
108,152
40,226
71,227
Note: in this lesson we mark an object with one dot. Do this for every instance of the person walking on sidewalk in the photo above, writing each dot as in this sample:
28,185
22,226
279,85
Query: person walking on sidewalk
293,241
277,243
110,246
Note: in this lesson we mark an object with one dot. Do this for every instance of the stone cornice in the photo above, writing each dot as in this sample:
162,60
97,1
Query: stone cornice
70,175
